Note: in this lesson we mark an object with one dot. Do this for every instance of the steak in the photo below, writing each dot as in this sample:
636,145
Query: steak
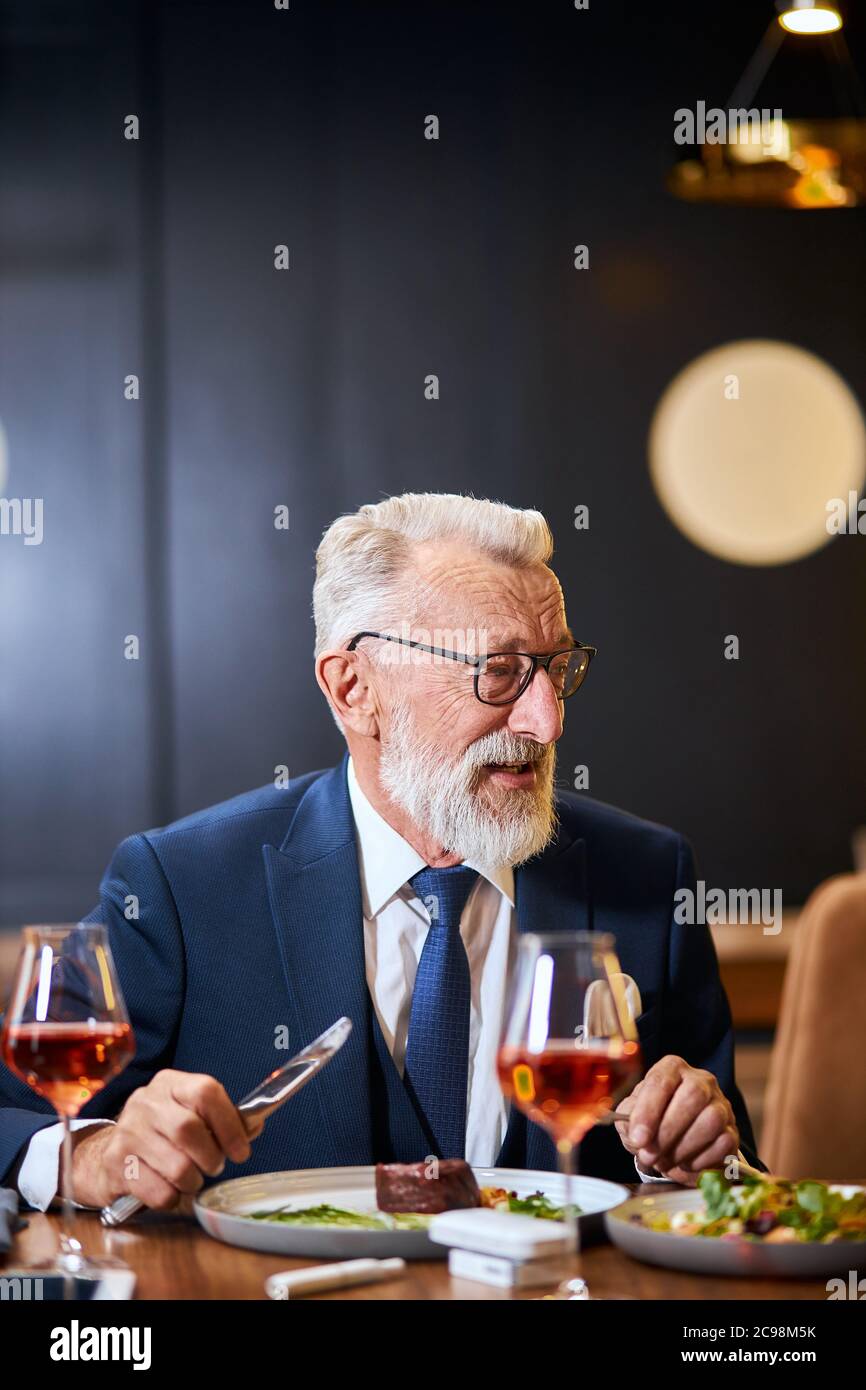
434,1185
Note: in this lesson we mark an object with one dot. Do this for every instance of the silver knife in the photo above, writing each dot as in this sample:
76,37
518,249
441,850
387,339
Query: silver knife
268,1096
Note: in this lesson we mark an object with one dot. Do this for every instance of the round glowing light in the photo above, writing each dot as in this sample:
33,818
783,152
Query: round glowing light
816,19
748,446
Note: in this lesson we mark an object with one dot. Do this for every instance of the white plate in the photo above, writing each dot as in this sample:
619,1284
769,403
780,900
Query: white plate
223,1210
709,1255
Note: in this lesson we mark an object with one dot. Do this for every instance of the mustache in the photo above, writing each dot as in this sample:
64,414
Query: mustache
501,747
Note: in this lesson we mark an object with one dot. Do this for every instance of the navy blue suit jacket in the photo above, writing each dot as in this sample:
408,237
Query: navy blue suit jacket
250,921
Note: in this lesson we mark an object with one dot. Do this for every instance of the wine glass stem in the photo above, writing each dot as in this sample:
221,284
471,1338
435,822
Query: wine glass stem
70,1249
567,1165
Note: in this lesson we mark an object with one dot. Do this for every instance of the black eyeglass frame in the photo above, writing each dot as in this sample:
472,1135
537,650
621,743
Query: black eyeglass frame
537,659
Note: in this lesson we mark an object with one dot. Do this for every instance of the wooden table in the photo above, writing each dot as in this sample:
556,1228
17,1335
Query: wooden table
174,1259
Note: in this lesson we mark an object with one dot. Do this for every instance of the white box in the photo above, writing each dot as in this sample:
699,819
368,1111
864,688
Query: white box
507,1274
500,1233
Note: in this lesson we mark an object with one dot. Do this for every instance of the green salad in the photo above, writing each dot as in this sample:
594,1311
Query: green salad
774,1211
535,1205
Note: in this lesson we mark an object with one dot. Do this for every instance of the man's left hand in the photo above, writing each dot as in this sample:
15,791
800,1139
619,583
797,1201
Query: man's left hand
679,1122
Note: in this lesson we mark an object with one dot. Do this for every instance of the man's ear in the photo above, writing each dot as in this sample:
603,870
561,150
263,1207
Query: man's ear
345,679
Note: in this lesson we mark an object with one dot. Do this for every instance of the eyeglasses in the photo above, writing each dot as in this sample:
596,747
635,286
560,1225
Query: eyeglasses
501,677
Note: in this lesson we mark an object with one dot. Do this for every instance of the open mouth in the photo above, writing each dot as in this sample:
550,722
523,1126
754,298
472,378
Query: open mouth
511,774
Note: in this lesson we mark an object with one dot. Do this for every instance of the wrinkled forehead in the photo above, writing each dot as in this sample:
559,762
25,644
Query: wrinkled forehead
454,587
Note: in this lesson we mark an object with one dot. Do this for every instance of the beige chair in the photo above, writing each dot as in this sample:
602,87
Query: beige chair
10,945
815,1108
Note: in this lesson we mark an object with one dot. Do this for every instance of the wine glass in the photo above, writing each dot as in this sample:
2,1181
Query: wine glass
66,1034
569,1048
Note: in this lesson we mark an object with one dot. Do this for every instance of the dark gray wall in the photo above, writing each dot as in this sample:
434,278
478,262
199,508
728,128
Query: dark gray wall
306,388
75,726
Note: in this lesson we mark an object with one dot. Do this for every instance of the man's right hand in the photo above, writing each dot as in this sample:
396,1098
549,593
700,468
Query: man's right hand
171,1133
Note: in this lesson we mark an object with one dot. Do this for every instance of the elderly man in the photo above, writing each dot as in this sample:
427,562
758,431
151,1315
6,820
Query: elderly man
443,650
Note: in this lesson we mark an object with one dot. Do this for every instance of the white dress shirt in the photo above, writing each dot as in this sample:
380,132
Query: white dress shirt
38,1176
396,923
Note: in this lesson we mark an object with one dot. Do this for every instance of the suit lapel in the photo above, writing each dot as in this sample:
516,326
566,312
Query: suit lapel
313,882
315,897
551,894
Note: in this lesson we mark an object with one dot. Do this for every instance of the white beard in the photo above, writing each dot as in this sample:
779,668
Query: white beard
452,801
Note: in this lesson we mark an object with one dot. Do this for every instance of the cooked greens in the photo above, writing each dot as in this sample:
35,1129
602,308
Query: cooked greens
326,1215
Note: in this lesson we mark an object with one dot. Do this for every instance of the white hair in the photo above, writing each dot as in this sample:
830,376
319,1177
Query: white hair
444,794
364,562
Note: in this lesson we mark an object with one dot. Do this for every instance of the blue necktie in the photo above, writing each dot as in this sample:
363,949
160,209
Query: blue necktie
436,1072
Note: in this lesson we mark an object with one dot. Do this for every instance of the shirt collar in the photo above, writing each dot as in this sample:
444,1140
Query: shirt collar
387,861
